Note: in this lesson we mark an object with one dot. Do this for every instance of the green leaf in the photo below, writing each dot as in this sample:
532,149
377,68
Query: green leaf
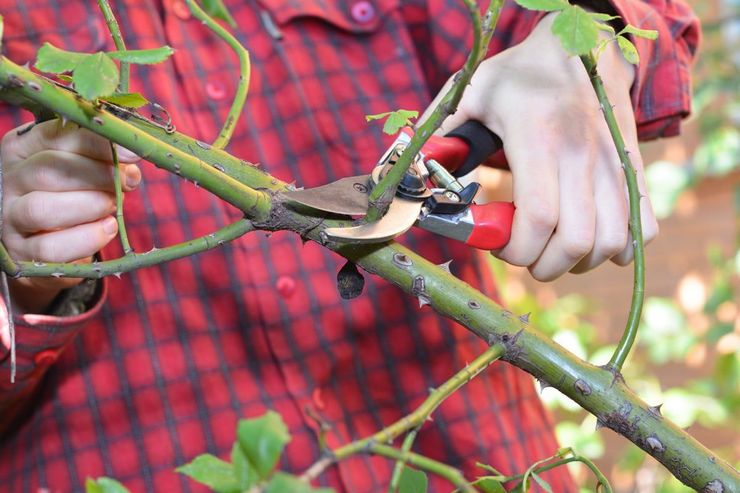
246,476
394,120
95,76
104,485
53,60
412,481
603,17
217,10
544,5
628,50
127,99
283,483
489,485
577,31
143,57
640,33
543,484
262,440
213,472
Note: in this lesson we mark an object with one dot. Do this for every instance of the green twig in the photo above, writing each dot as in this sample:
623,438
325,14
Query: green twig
119,202
441,469
128,263
420,415
381,196
638,291
115,33
601,479
244,73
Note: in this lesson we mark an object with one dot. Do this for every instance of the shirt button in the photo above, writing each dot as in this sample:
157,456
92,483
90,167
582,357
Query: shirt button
181,10
363,12
215,90
285,285
46,357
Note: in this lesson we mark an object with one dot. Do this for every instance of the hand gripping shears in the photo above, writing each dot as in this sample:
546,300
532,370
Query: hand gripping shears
446,208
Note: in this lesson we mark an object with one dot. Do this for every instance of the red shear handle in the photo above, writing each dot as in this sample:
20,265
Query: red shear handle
491,225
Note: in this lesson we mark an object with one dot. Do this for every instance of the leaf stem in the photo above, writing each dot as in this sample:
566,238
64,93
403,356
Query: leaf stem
381,196
115,32
242,87
408,442
635,223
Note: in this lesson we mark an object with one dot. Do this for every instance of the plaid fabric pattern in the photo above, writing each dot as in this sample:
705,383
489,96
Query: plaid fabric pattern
172,356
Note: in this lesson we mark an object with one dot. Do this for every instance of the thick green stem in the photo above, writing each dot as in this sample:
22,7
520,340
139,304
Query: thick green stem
244,73
23,85
638,291
115,33
382,194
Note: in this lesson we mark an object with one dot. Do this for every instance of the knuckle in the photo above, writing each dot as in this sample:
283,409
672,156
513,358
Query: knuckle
33,211
9,146
613,242
46,250
578,245
542,216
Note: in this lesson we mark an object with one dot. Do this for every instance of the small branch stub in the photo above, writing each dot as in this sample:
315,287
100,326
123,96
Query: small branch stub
350,281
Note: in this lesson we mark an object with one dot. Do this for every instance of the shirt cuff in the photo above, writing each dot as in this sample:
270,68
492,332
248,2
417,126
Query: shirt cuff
40,339
661,94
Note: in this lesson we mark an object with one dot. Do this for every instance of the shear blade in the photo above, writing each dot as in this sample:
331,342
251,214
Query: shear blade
401,215
346,196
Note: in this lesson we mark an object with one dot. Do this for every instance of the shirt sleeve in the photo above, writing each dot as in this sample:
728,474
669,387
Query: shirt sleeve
39,341
661,93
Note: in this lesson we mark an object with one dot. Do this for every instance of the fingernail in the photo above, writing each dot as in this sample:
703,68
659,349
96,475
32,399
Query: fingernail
125,154
110,225
133,176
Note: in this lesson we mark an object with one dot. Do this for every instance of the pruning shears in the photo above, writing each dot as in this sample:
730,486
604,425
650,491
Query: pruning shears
446,208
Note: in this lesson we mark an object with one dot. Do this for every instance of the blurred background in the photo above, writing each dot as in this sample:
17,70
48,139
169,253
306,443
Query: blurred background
688,352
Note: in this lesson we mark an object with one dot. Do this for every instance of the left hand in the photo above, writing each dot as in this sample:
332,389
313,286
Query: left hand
568,183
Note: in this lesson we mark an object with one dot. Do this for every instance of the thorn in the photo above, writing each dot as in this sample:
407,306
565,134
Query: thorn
582,387
117,274
655,410
525,318
543,385
445,266
154,249
423,301
654,444
599,424
65,120
57,274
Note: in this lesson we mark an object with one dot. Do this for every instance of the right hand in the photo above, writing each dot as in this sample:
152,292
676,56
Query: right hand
57,202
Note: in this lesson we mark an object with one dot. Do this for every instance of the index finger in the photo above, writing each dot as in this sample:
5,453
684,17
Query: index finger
21,143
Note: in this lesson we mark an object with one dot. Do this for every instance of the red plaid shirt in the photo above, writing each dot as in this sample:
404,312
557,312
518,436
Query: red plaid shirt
172,356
